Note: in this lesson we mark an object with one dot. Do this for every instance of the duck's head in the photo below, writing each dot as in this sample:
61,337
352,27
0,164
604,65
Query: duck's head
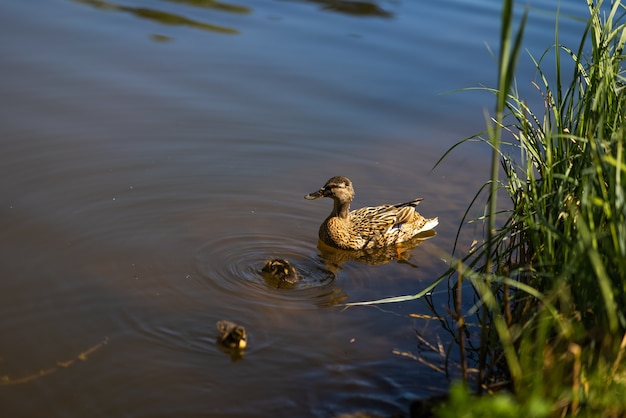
239,336
338,188
281,270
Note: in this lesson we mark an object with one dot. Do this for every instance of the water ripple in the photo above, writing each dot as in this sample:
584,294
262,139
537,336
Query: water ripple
233,265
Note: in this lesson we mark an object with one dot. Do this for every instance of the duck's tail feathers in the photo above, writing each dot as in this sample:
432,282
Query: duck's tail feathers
430,224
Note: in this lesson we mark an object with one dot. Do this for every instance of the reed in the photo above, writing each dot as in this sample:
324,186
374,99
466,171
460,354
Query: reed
550,276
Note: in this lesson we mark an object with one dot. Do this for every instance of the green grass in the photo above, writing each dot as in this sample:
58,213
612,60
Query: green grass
550,276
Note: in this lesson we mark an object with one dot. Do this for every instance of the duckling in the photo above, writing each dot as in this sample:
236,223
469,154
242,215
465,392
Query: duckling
231,335
368,227
280,270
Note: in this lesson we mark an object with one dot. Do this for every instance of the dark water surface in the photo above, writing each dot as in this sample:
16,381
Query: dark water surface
156,153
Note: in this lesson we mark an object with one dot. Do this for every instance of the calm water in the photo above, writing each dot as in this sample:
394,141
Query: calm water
155,153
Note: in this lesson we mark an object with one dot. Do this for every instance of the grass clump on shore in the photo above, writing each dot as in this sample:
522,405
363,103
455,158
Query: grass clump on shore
550,277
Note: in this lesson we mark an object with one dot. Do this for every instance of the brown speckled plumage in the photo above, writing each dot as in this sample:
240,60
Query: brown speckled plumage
280,270
368,227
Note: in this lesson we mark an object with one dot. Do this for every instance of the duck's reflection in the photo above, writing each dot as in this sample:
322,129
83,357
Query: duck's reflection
280,273
334,258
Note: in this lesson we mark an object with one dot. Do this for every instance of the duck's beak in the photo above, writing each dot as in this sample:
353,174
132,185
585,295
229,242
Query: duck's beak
315,195
243,344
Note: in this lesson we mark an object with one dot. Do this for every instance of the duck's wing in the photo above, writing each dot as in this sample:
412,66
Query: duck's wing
406,212
376,217
386,216
224,328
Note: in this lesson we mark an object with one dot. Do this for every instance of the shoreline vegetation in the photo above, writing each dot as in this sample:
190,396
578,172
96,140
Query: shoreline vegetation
549,279
546,335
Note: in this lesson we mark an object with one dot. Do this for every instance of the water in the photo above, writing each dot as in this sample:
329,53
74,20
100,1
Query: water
156,153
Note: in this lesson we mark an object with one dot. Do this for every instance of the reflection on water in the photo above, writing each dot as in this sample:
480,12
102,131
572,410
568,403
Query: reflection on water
214,5
335,258
166,18
160,38
234,354
354,8
58,365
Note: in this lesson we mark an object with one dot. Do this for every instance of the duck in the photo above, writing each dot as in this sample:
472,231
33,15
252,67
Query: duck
368,227
231,335
280,270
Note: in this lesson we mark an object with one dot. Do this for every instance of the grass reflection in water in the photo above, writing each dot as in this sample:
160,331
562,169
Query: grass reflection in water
167,18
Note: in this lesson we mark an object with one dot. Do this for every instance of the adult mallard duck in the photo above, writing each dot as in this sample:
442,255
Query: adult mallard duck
231,335
281,271
369,227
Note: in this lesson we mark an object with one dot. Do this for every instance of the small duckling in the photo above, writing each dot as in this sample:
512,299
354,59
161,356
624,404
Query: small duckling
280,270
231,335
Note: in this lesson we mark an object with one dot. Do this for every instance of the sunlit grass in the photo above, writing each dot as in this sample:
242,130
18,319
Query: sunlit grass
551,278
